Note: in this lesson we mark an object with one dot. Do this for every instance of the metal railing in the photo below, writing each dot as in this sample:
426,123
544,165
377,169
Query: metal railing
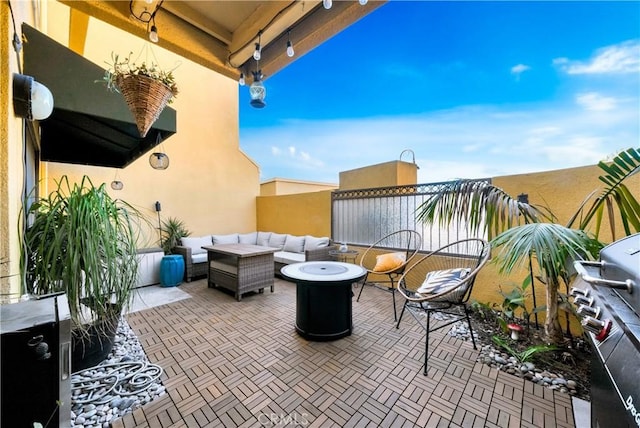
362,216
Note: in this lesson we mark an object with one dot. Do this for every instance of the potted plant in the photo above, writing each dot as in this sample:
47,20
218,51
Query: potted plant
172,231
146,88
82,242
488,209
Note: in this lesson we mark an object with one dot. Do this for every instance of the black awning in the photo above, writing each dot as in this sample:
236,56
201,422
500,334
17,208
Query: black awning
89,125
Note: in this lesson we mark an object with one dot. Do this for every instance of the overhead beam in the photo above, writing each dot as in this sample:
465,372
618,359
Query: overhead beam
315,28
176,35
78,25
207,46
188,14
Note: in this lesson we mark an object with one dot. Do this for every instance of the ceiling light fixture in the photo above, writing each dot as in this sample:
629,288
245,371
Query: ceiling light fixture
290,51
257,53
241,80
327,4
159,160
257,91
362,2
153,33
148,16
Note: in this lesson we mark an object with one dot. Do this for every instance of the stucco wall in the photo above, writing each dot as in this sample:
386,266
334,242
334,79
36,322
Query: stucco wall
394,173
282,186
210,184
11,144
301,214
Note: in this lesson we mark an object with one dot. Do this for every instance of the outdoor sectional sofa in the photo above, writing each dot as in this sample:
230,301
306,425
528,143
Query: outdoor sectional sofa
291,249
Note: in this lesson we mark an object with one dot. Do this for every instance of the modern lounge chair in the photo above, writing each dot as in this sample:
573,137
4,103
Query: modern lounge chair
442,282
387,258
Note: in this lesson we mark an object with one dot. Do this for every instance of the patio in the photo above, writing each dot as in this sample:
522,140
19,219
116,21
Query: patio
231,364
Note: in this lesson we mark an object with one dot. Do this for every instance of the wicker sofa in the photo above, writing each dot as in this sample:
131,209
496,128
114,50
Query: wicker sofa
291,249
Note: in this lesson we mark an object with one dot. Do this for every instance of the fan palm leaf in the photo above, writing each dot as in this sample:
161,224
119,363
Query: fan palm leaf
482,206
615,195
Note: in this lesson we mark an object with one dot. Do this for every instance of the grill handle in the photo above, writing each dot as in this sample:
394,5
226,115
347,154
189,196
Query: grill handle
595,278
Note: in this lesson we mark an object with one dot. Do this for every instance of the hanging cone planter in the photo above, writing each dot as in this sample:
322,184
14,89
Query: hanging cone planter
146,98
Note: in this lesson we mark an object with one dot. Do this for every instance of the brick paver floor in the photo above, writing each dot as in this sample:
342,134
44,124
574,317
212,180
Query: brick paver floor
242,364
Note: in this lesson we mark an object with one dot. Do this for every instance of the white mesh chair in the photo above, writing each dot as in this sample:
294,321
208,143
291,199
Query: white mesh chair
386,259
442,282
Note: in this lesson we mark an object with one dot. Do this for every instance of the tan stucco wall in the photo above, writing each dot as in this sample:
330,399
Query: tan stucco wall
11,145
283,186
301,214
210,184
394,173
563,191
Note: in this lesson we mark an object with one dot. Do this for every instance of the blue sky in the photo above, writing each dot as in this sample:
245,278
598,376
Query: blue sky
474,89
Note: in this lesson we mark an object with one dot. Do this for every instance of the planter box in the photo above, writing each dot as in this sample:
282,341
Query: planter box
149,260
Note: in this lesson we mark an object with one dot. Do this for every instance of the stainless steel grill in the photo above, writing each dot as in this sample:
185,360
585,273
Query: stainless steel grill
607,297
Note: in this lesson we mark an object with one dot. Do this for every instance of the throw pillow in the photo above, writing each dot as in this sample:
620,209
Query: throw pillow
313,243
248,238
225,239
196,244
389,261
276,240
294,244
263,239
442,281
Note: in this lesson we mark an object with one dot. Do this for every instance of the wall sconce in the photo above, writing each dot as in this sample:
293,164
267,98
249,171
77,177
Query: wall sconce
523,198
31,100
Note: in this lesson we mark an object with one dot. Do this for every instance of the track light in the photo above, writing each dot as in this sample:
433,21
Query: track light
241,81
327,4
362,2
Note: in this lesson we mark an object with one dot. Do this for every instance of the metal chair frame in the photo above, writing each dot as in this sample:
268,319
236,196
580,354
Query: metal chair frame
412,243
451,257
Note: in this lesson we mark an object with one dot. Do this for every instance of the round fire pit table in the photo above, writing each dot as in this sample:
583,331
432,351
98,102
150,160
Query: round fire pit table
323,298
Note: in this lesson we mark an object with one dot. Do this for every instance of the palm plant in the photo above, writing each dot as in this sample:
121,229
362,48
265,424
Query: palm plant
83,243
522,231
171,232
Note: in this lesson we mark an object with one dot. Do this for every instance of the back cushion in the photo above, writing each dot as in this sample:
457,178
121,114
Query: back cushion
248,238
196,244
276,240
225,239
263,238
294,244
313,243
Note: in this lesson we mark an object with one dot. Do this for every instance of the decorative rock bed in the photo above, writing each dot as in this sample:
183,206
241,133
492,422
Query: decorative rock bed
123,382
500,360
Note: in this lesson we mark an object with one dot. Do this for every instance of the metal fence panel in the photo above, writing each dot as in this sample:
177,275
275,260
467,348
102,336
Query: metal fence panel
362,216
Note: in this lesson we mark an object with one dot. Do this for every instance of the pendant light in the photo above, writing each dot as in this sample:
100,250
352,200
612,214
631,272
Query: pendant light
158,159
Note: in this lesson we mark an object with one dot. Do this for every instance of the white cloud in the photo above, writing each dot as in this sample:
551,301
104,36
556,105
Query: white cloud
595,102
621,58
467,142
275,151
517,70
